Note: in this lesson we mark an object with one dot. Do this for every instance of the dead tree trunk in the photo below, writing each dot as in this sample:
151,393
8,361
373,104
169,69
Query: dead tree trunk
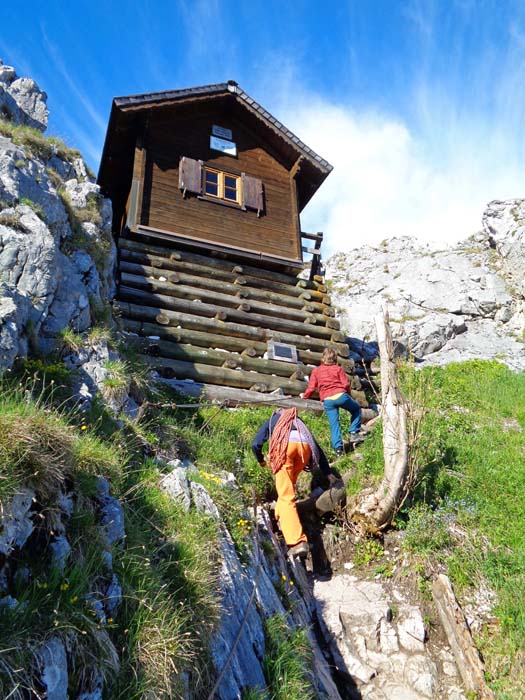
376,509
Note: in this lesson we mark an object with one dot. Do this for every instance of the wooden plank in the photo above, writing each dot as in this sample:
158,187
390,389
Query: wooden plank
221,375
156,314
218,358
151,298
468,659
147,278
207,339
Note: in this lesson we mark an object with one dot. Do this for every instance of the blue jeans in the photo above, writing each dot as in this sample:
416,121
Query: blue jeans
331,408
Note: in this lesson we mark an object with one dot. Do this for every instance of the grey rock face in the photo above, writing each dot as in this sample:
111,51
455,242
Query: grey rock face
16,525
111,515
52,655
21,100
55,262
60,550
386,655
445,305
177,486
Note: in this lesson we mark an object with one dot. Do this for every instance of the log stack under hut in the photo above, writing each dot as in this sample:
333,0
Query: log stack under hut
216,281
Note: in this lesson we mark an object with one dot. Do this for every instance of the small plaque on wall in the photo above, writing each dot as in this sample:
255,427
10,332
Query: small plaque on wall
282,352
228,147
222,132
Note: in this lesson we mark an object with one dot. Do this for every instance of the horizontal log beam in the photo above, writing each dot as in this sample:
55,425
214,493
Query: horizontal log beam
155,314
234,397
218,358
205,276
220,375
214,340
150,298
219,263
140,276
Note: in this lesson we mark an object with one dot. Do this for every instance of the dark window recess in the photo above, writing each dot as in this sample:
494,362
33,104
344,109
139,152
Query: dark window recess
211,183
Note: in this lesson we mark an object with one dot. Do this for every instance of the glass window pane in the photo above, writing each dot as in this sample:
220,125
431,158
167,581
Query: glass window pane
212,177
212,189
230,194
230,181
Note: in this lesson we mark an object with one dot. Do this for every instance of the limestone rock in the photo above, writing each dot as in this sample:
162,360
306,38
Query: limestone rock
54,676
411,629
60,550
21,100
421,674
462,302
16,524
177,486
113,597
111,515
203,502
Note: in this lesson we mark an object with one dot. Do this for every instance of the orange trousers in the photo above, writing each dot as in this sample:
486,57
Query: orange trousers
297,457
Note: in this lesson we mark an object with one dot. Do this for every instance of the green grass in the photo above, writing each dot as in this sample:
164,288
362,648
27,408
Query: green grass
168,573
167,567
471,474
287,662
36,144
34,206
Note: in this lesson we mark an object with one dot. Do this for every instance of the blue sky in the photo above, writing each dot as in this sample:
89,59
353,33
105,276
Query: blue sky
419,105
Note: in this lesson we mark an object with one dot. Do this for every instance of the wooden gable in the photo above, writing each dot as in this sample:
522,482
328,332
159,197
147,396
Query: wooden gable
265,221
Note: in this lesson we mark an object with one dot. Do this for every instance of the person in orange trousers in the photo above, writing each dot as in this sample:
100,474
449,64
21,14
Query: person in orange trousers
292,448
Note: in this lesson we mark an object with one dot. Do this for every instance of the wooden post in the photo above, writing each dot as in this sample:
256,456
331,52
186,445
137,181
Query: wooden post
375,510
468,659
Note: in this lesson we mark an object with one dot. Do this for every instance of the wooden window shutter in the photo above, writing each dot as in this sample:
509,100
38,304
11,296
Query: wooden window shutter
190,175
252,193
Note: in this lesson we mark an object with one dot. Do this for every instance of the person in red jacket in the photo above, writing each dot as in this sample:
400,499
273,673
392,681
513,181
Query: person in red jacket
330,380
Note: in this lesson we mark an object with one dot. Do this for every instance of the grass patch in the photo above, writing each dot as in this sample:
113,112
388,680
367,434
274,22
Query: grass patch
468,505
36,144
35,207
167,571
12,219
287,661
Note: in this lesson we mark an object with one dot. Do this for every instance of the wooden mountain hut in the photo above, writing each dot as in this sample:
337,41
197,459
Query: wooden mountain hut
207,188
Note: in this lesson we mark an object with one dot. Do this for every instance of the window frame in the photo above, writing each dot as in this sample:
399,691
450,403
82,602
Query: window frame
221,186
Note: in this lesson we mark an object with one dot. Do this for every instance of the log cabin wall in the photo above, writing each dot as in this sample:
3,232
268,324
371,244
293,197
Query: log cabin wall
168,137
193,316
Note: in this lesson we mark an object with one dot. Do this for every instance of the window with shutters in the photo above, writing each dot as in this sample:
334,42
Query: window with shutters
222,185
216,185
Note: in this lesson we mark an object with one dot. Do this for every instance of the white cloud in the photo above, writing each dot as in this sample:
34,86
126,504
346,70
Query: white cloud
389,181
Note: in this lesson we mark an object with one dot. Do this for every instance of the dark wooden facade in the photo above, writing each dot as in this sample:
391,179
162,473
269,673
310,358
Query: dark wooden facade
205,282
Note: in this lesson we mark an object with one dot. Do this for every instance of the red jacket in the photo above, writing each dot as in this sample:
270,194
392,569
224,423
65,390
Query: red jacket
328,380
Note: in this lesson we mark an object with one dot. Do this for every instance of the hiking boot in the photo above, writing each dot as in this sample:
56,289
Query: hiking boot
340,452
357,437
299,550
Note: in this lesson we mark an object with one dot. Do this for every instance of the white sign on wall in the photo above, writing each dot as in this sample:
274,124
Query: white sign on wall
228,147
222,132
